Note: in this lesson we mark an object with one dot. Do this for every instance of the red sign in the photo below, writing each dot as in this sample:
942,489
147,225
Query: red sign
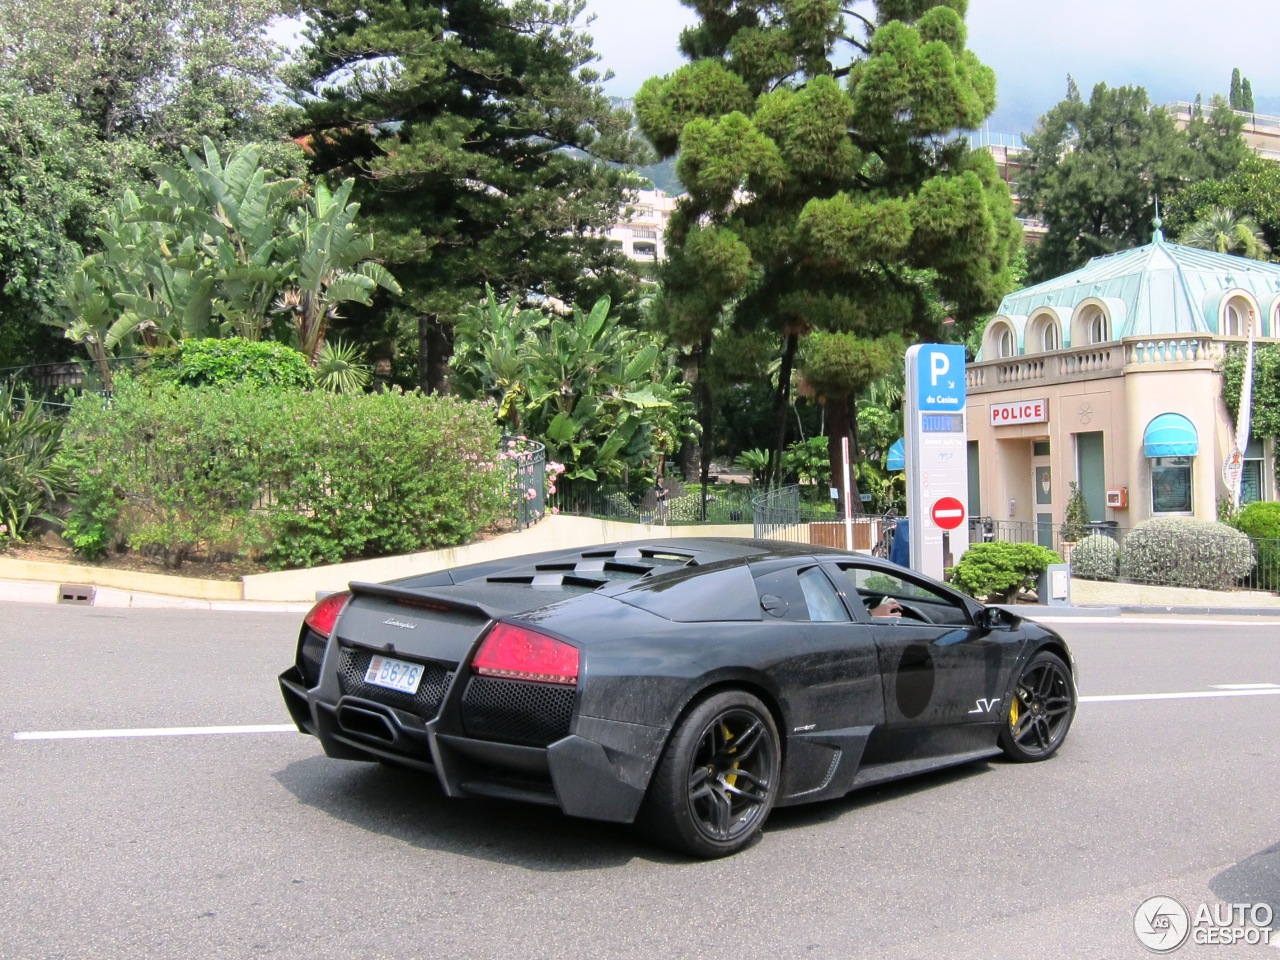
1024,411
948,513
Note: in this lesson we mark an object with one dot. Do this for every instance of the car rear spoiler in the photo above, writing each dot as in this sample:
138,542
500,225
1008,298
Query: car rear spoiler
425,599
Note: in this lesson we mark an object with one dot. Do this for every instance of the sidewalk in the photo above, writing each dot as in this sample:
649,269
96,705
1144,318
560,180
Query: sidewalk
294,591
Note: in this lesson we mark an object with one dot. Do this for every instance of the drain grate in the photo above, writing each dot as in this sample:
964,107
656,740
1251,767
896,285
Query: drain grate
80,593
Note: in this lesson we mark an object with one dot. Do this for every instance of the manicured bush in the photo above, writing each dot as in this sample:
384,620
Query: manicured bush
1000,571
223,362
299,478
1182,552
1261,522
1096,557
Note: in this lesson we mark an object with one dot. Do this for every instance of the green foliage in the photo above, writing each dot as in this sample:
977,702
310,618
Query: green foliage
297,477
1252,190
756,461
1182,552
1261,522
999,571
1096,557
31,478
1094,169
342,368
206,252
828,192
807,461
484,131
1222,231
1075,521
1265,415
605,399
46,207
220,363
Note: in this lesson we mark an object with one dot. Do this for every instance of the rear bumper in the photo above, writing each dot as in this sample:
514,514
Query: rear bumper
599,771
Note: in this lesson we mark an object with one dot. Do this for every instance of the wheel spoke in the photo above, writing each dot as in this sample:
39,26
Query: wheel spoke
721,813
744,745
698,781
752,798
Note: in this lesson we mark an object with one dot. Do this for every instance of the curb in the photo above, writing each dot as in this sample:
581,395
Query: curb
31,591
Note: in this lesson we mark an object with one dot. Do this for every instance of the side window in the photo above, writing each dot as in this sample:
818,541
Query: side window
820,596
805,595
885,596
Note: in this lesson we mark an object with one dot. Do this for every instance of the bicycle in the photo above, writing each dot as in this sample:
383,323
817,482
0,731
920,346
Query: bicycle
888,527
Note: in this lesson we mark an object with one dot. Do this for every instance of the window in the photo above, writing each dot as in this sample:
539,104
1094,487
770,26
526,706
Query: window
1099,330
920,602
808,596
1235,318
1051,337
821,597
1006,346
1171,485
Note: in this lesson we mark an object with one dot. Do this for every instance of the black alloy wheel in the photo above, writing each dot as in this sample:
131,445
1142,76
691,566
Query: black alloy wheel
718,778
1041,709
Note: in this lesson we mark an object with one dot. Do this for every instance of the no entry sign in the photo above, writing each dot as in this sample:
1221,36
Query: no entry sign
948,513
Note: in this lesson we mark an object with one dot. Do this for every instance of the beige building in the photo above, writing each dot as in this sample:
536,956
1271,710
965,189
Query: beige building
1109,377
643,224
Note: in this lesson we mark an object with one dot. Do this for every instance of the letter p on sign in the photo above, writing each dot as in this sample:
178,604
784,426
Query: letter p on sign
938,366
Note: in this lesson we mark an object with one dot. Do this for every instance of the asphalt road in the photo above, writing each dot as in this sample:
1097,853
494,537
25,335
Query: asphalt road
255,844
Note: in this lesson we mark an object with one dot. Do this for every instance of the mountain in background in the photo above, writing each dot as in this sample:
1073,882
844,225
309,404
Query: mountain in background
662,174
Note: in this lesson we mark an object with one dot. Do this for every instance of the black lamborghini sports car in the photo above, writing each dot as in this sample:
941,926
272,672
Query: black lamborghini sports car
688,685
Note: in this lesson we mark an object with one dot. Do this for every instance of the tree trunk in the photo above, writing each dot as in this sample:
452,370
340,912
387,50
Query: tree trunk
435,347
707,419
842,423
781,399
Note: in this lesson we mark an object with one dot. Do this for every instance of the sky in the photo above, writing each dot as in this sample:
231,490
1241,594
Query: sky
1175,49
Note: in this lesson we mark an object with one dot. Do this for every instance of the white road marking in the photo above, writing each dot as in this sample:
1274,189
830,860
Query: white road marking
153,732
1245,686
1190,695
1186,621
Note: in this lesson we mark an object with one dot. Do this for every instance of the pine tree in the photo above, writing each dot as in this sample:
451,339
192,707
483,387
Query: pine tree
1246,96
1235,96
828,188
479,132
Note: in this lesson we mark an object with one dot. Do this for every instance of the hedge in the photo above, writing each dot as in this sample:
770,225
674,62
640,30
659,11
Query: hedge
1182,552
296,478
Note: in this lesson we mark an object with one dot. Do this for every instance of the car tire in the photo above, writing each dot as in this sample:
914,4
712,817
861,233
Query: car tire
1041,708
718,778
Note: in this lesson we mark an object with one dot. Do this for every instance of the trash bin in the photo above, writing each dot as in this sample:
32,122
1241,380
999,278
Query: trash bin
900,549
1108,528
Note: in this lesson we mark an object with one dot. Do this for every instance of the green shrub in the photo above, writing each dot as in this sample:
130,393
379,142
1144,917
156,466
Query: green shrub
1096,557
31,479
999,571
1075,520
223,362
297,477
1261,521
1183,552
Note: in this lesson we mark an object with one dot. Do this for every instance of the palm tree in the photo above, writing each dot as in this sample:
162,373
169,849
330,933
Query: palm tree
1221,230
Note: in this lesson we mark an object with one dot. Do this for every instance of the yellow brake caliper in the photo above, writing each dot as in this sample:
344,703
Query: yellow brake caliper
732,778
1013,711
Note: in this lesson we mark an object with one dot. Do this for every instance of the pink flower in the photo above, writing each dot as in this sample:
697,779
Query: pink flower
555,510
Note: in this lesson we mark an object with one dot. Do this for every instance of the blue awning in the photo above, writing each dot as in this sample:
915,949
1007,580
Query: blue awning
1170,435
897,456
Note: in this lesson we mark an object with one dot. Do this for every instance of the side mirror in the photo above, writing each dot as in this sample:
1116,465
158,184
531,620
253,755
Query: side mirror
996,618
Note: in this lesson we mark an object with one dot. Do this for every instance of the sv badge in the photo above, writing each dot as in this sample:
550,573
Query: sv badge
985,705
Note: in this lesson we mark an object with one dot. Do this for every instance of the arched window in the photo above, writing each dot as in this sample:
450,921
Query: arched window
1236,316
1051,336
1098,329
1006,346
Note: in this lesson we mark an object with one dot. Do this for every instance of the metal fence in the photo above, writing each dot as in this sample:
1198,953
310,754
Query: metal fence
684,505
1108,551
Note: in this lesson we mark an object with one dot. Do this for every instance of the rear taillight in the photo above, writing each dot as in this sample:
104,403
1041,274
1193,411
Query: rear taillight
325,613
517,653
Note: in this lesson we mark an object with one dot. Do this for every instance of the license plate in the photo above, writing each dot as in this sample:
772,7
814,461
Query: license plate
394,674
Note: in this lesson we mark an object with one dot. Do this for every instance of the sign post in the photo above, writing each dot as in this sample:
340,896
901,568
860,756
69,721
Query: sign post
937,456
